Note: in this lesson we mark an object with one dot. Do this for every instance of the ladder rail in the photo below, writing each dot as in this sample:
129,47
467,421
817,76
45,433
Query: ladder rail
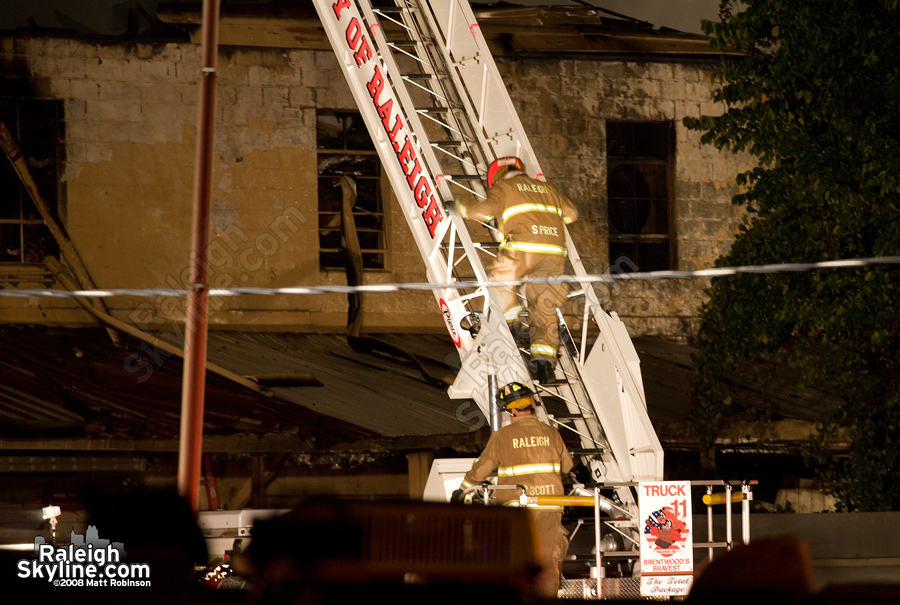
643,446
412,15
500,133
425,150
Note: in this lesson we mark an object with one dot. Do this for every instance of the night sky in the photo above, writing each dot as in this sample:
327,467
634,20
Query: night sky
109,16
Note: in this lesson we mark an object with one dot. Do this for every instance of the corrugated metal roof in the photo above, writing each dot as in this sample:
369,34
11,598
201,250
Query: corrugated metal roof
75,383
394,385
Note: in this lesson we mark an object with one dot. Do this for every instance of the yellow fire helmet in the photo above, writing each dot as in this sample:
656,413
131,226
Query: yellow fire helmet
516,396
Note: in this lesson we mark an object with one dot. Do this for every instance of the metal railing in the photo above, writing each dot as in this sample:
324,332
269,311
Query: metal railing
623,520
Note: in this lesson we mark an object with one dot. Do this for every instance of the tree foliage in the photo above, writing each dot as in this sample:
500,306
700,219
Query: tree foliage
815,97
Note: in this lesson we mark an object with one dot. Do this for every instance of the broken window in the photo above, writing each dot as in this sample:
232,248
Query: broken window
639,173
346,150
36,125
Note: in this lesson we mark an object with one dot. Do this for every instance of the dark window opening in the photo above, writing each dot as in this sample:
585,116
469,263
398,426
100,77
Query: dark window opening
36,125
345,149
638,176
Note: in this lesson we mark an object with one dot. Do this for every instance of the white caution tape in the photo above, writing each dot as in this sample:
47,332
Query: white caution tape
568,279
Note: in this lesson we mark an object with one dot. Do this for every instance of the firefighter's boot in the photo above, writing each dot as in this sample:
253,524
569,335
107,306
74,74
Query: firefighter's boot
521,334
544,372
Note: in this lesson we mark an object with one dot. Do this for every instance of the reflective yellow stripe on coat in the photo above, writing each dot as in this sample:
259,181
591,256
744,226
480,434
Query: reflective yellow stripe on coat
520,208
527,469
542,248
530,469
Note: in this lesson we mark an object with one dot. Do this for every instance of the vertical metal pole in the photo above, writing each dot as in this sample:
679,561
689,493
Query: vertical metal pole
584,332
728,540
493,402
745,513
450,27
481,103
709,521
196,318
599,556
451,250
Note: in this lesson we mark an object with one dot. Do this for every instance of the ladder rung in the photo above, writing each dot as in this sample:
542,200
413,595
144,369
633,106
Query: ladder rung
432,109
447,144
417,76
487,245
482,245
462,177
587,451
404,42
569,417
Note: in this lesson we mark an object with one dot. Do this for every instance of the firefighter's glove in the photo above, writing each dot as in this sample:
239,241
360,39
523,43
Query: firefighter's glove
457,497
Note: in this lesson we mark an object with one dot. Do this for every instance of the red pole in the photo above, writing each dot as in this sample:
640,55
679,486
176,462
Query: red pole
193,387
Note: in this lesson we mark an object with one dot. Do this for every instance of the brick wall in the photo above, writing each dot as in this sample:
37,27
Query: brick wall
130,119
131,111
564,104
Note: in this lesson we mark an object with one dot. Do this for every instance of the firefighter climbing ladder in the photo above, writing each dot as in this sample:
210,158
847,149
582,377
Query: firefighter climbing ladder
439,114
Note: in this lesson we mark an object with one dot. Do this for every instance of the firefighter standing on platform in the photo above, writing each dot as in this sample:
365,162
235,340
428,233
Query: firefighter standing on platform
532,454
530,216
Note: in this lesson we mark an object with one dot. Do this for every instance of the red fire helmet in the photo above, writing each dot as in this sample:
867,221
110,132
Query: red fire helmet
500,166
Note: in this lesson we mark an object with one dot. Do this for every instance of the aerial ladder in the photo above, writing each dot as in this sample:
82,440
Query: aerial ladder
439,113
